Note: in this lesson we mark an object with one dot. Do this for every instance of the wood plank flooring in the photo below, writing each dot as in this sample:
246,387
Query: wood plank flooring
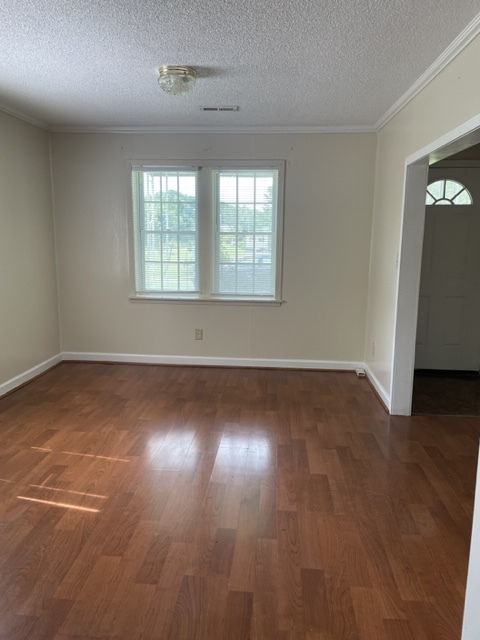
169,503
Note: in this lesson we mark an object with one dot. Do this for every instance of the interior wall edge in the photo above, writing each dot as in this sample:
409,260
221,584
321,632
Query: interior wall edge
471,623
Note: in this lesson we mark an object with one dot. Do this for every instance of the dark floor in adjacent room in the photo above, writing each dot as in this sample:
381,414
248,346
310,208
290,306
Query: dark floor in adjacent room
446,393
170,503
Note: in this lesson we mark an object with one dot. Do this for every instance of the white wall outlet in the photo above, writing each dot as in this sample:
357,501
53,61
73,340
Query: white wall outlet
198,334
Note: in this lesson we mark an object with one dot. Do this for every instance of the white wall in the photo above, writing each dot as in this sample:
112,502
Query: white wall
329,189
450,100
471,619
29,333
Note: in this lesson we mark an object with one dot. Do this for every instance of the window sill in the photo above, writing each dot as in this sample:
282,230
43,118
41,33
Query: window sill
150,297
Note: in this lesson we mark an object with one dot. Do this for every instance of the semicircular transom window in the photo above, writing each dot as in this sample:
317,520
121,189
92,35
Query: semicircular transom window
448,192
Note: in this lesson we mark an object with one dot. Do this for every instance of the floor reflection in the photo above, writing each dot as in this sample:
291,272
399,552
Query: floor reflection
64,505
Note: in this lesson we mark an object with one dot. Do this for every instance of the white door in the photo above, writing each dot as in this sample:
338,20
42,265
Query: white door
448,328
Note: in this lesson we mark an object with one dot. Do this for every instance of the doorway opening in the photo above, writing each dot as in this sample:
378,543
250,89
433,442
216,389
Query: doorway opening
447,353
416,180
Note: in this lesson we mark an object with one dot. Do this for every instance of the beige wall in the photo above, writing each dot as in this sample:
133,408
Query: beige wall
329,190
471,619
29,332
329,187
451,99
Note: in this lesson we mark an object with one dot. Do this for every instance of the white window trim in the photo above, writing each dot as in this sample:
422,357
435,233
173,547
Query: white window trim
206,232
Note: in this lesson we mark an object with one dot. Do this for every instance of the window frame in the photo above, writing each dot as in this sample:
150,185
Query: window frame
206,220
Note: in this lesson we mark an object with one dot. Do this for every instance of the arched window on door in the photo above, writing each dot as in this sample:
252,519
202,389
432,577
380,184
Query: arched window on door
448,192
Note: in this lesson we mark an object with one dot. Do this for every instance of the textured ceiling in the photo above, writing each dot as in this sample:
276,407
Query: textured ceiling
286,63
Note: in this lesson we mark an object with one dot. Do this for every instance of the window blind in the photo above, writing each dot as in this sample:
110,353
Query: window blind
166,225
245,232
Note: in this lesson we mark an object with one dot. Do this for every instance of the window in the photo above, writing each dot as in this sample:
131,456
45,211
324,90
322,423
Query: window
447,192
208,232
165,208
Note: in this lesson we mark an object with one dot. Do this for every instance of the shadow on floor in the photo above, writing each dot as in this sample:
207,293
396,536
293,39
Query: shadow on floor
446,393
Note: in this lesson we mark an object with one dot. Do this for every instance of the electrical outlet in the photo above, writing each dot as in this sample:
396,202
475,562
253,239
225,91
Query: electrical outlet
198,334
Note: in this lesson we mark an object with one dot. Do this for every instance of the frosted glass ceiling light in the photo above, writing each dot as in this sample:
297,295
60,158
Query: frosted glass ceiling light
176,80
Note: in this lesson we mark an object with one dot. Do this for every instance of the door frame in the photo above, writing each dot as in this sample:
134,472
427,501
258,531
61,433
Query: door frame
440,351
410,257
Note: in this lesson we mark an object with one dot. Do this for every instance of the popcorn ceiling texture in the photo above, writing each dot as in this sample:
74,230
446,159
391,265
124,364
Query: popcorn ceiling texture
286,63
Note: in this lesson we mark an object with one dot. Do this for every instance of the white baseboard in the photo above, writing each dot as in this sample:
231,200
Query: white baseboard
382,393
132,358
17,381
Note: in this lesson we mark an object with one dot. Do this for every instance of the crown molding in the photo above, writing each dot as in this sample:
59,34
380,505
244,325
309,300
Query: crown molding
213,130
457,46
176,129
23,116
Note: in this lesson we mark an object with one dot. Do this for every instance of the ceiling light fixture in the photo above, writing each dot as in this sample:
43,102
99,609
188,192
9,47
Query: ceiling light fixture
176,80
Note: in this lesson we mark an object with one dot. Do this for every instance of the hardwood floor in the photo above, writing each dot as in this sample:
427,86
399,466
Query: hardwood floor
143,502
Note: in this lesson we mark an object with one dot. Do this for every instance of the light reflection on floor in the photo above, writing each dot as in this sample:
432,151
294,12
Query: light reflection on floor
84,455
238,451
78,493
59,504
169,451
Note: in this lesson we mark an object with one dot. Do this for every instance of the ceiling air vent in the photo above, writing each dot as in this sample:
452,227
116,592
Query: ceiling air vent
233,108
